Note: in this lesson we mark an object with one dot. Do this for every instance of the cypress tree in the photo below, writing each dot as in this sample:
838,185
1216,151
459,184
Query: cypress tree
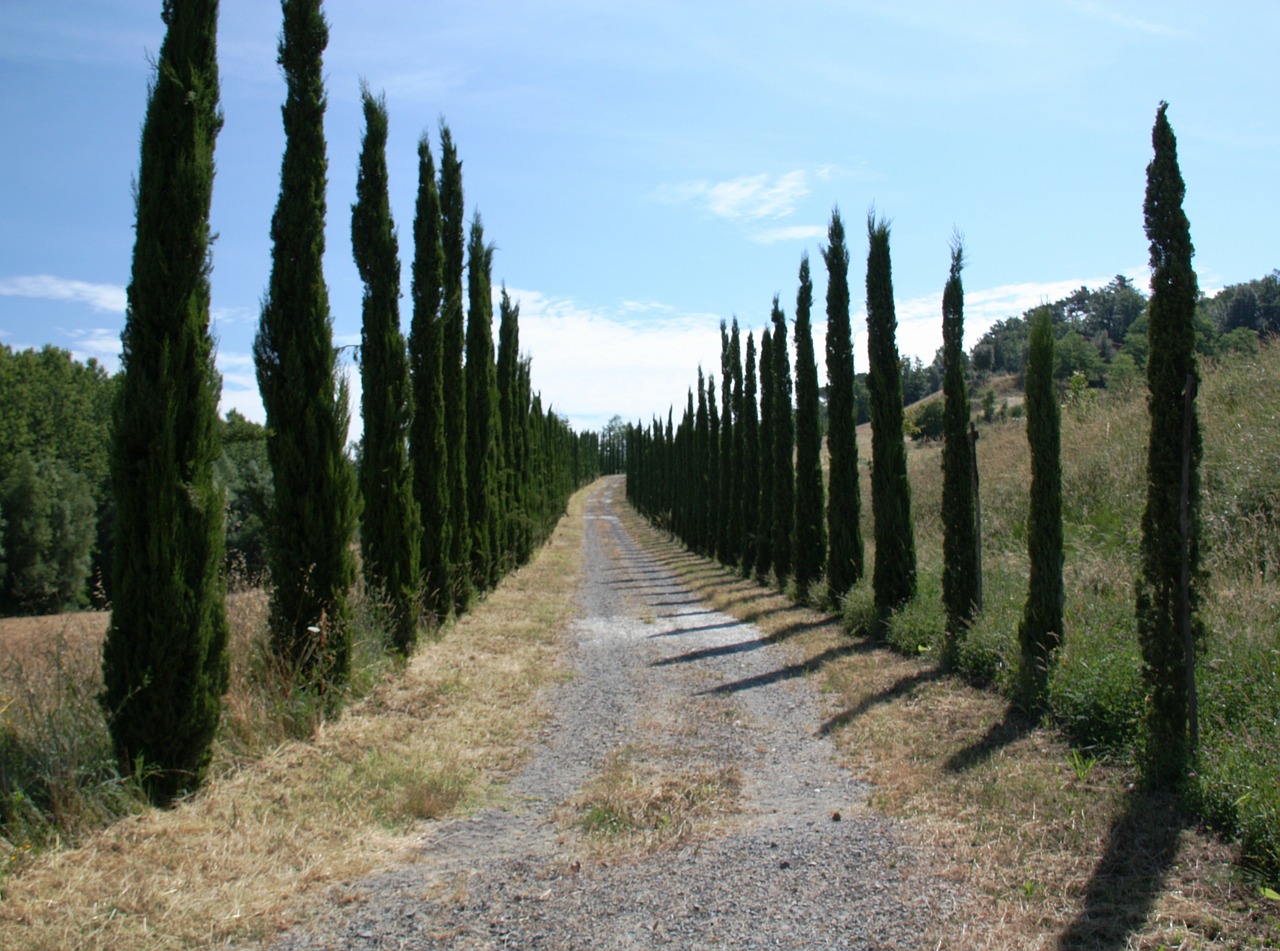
894,575
452,325
481,411
750,517
784,476
702,475
764,522
810,530
959,526
726,461
164,662
737,483
313,516
427,444
513,415
714,502
1041,629
1169,628
844,502
390,526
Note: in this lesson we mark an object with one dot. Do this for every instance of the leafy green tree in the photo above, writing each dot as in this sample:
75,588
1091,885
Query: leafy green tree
768,406
750,461
784,477
1040,633
427,445
481,412
245,471
390,526
894,575
1168,599
164,660
46,536
960,581
810,539
314,513
452,325
844,504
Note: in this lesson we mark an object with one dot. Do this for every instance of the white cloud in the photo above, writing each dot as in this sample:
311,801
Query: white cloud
747,197
789,233
1100,11
107,298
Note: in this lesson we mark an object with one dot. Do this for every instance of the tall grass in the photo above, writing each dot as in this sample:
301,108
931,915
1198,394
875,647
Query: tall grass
1096,692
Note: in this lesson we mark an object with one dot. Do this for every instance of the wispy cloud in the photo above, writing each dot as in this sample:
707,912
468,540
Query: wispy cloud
107,298
747,197
1108,14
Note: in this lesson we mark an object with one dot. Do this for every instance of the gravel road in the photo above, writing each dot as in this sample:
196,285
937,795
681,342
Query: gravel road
799,862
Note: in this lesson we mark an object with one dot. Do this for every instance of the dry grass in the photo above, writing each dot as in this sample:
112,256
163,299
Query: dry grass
243,858
1053,849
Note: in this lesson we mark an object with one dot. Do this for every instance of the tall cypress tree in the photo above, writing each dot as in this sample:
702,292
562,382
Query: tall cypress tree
1169,628
453,332
1041,629
726,461
844,502
894,575
784,476
959,526
702,473
764,522
714,502
164,662
750,461
390,526
481,411
737,483
513,415
313,516
810,530
427,444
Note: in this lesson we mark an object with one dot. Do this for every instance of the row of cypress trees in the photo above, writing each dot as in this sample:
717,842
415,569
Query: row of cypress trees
461,472
776,526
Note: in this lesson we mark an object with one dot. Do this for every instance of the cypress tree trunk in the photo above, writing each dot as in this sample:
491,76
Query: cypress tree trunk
960,580
427,431
810,527
164,662
453,325
784,444
313,516
481,411
894,576
750,462
390,526
844,503
1041,631
1168,626
768,405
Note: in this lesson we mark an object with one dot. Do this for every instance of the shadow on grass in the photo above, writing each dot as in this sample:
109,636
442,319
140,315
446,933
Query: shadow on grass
903,687
1007,731
1141,847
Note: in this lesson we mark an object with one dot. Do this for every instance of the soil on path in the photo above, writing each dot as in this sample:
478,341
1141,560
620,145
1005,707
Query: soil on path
798,861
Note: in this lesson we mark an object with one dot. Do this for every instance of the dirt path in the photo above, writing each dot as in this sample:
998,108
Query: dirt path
665,692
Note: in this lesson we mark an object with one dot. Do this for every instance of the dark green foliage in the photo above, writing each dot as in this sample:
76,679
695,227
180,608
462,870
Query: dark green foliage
1040,633
844,504
714,502
164,661
245,471
783,445
764,521
737,450
390,528
810,545
750,461
1170,535
699,528
313,517
481,413
513,413
452,325
427,446
960,582
725,460
894,575
45,536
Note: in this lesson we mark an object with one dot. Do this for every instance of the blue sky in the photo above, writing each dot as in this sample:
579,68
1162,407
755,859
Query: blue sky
648,168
